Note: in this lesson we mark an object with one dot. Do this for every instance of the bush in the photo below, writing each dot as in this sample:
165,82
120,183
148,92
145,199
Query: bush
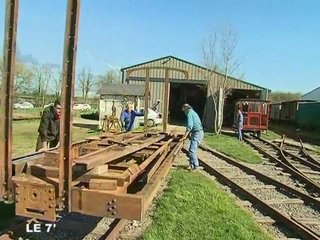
91,116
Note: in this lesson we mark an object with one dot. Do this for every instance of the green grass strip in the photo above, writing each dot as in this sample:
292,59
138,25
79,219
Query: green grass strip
232,147
193,207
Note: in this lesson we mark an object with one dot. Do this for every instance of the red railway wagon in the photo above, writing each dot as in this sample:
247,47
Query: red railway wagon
255,115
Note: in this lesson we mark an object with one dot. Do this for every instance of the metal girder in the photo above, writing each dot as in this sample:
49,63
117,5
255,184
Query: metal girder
146,99
69,62
122,205
34,197
166,100
105,155
7,89
103,204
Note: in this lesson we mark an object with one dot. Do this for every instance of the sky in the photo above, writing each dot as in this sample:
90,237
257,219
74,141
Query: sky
278,41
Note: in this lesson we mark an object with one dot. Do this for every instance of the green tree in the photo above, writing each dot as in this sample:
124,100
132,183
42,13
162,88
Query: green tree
279,96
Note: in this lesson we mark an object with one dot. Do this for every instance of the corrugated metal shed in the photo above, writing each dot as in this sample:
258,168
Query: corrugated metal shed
121,90
196,73
312,95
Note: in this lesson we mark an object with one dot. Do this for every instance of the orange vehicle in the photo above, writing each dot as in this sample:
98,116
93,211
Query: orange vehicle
255,115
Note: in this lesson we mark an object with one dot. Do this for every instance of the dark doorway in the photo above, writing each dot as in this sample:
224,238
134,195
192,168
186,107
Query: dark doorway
229,104
180,93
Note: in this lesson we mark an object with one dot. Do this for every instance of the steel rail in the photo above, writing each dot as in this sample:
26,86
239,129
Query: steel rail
307,154
314,166
285,163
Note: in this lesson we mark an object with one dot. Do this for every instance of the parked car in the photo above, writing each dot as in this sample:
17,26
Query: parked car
23,105
154,118
81,106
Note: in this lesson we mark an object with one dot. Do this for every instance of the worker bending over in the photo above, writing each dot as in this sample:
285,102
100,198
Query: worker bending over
195,133
49,129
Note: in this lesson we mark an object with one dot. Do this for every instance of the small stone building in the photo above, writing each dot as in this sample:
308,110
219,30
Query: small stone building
119,94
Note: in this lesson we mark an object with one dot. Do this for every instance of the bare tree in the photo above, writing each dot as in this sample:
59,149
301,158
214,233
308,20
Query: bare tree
110,76
220,59
43,75
23,78
57,83
86,82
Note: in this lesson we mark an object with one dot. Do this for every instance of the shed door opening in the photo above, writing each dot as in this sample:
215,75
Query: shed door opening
180,93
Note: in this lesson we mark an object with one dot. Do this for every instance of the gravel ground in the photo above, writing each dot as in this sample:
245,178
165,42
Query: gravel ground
297,210
315,228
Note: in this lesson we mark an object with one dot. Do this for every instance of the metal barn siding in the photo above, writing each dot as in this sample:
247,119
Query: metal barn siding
308,115
287,111
275,109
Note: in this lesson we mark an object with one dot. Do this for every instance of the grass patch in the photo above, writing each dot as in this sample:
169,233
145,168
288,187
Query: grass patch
232,147
27,113
193,207
270,135
25,135
7,212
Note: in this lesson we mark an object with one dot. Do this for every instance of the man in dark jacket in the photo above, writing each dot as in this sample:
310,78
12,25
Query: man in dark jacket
49,129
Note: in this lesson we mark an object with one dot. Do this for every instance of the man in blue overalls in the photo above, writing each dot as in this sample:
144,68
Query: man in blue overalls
195,133
127,118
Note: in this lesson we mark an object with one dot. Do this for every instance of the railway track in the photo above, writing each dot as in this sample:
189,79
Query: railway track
301,151
281,203
299,167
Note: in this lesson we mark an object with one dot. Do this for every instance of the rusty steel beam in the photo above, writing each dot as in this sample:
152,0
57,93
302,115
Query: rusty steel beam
154,183
146,99
7,90
185,72
107,155
103,204
69,63
166,100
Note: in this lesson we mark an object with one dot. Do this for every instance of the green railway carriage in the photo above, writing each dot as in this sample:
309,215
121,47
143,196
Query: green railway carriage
308,115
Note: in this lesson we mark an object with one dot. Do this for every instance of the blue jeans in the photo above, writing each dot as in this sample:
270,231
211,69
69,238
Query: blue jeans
240,133
195,140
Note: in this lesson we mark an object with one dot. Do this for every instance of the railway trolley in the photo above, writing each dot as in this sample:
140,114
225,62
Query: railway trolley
255,115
